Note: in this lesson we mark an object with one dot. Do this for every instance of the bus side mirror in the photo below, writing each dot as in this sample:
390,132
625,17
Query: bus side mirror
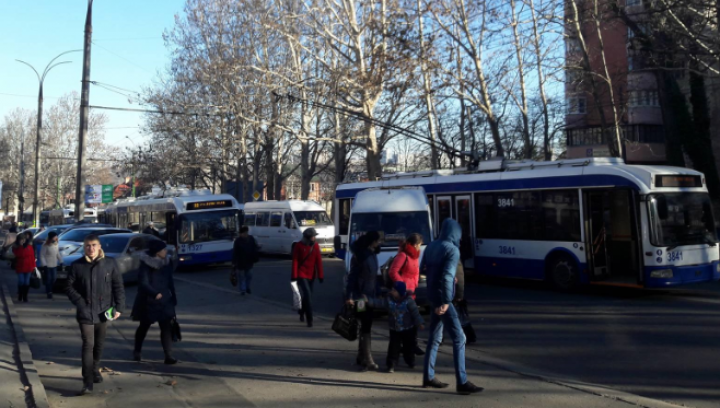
662,207
337,243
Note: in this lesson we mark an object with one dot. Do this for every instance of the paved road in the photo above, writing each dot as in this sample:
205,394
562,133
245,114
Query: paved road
247,352
659,344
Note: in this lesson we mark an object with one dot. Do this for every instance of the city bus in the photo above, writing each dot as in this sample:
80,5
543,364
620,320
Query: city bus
61,216
570,222
200,224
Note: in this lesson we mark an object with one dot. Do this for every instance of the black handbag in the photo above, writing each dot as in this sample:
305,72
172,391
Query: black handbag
346,324
35,282
176,334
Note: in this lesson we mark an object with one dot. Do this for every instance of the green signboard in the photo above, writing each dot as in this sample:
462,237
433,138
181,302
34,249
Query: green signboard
107,193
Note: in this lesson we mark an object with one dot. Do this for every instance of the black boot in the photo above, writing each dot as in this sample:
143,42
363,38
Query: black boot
302,315
26,290
20,293
86,390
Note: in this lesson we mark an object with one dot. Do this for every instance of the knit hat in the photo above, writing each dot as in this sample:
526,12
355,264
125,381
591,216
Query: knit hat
155,246
310,232
400,288
52,234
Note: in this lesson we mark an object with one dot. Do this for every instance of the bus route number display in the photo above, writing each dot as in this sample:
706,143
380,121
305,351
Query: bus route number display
208,205
678,181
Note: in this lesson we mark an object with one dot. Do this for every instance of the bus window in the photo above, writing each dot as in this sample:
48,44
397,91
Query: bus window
444,205
249,219
263,219
289,221
276,219
344,215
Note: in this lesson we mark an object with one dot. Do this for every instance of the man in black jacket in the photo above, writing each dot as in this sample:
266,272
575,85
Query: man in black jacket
245,255
94,285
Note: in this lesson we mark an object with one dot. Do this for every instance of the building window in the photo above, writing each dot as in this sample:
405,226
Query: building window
643,98
577,105
573,76
573,46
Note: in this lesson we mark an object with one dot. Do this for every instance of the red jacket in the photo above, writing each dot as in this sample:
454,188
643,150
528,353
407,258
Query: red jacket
406,267
311,265
24,258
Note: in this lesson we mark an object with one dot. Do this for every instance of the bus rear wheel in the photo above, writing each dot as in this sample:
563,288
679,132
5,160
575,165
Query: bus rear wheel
563,272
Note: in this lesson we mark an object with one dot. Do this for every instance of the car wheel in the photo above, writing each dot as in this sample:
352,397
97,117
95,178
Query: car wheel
562,272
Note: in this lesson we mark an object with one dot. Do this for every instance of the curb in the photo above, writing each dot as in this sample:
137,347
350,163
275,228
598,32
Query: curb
37,390
483,358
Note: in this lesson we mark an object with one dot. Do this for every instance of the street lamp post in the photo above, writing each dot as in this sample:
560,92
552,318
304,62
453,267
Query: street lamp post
41,78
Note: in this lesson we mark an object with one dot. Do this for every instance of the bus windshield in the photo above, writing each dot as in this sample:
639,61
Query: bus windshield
312,218
394,226
208,226
682,219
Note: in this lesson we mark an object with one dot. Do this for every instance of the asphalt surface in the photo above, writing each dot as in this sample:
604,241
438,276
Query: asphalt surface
245,351
658,344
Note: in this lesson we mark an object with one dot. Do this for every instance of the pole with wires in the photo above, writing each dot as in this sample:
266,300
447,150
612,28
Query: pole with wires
84,117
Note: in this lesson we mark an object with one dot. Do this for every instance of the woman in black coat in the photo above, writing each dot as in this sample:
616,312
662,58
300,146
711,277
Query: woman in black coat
156,300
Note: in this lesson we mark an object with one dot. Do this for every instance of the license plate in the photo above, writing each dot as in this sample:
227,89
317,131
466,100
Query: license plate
325,249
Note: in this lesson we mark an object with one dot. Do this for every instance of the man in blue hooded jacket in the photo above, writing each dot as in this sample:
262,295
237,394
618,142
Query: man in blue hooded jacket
440,263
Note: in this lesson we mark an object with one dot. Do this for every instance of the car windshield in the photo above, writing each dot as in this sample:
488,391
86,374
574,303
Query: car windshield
208,226
78,235
682,219
394,226
312,218
113,244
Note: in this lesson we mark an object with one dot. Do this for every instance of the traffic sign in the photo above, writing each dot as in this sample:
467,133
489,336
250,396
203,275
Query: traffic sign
256,195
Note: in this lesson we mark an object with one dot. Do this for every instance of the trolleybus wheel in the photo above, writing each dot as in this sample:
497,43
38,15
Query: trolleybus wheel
563,272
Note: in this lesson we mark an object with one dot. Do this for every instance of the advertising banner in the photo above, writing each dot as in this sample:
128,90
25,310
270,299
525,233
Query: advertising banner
93,194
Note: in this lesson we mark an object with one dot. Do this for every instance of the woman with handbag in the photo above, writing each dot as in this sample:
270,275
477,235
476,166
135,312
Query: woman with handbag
156,299
50,257
24,265
306,266
362,284
406,268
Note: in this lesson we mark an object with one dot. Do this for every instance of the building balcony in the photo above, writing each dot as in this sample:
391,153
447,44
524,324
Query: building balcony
643,143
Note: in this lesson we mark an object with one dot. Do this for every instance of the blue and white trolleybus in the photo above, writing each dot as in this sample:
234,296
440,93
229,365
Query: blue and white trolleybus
597,221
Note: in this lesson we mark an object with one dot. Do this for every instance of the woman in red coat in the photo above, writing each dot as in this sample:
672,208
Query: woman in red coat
306,265
406,268
24,265
406,265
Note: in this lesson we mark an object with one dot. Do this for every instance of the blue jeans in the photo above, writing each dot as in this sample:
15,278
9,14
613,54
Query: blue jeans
23,279
452,320
50,277
244,279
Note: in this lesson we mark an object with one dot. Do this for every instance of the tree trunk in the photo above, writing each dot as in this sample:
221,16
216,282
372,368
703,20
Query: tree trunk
427,88
699,145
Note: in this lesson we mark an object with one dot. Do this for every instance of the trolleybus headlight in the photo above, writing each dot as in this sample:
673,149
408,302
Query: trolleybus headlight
185,258
662,273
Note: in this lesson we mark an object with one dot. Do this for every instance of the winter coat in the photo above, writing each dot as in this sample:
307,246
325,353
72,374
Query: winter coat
403,313
406,267
151,231
312,266
440,262
94,286
50,255
362,279
24,258
245,252
155,277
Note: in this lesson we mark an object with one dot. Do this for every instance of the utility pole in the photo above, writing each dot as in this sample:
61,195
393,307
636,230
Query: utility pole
38,140
84,117
21,198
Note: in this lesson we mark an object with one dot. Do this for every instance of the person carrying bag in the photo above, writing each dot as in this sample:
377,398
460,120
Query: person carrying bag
306,266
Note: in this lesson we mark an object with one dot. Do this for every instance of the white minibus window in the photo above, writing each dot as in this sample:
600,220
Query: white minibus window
263,219
275,219
249,219
289,221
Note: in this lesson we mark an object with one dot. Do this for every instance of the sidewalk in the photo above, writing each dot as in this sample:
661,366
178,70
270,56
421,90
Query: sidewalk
12,382
243,352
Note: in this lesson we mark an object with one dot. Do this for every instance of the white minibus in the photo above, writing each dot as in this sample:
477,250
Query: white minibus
277,225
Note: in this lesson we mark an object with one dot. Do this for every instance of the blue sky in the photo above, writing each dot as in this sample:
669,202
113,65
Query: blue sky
128,53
